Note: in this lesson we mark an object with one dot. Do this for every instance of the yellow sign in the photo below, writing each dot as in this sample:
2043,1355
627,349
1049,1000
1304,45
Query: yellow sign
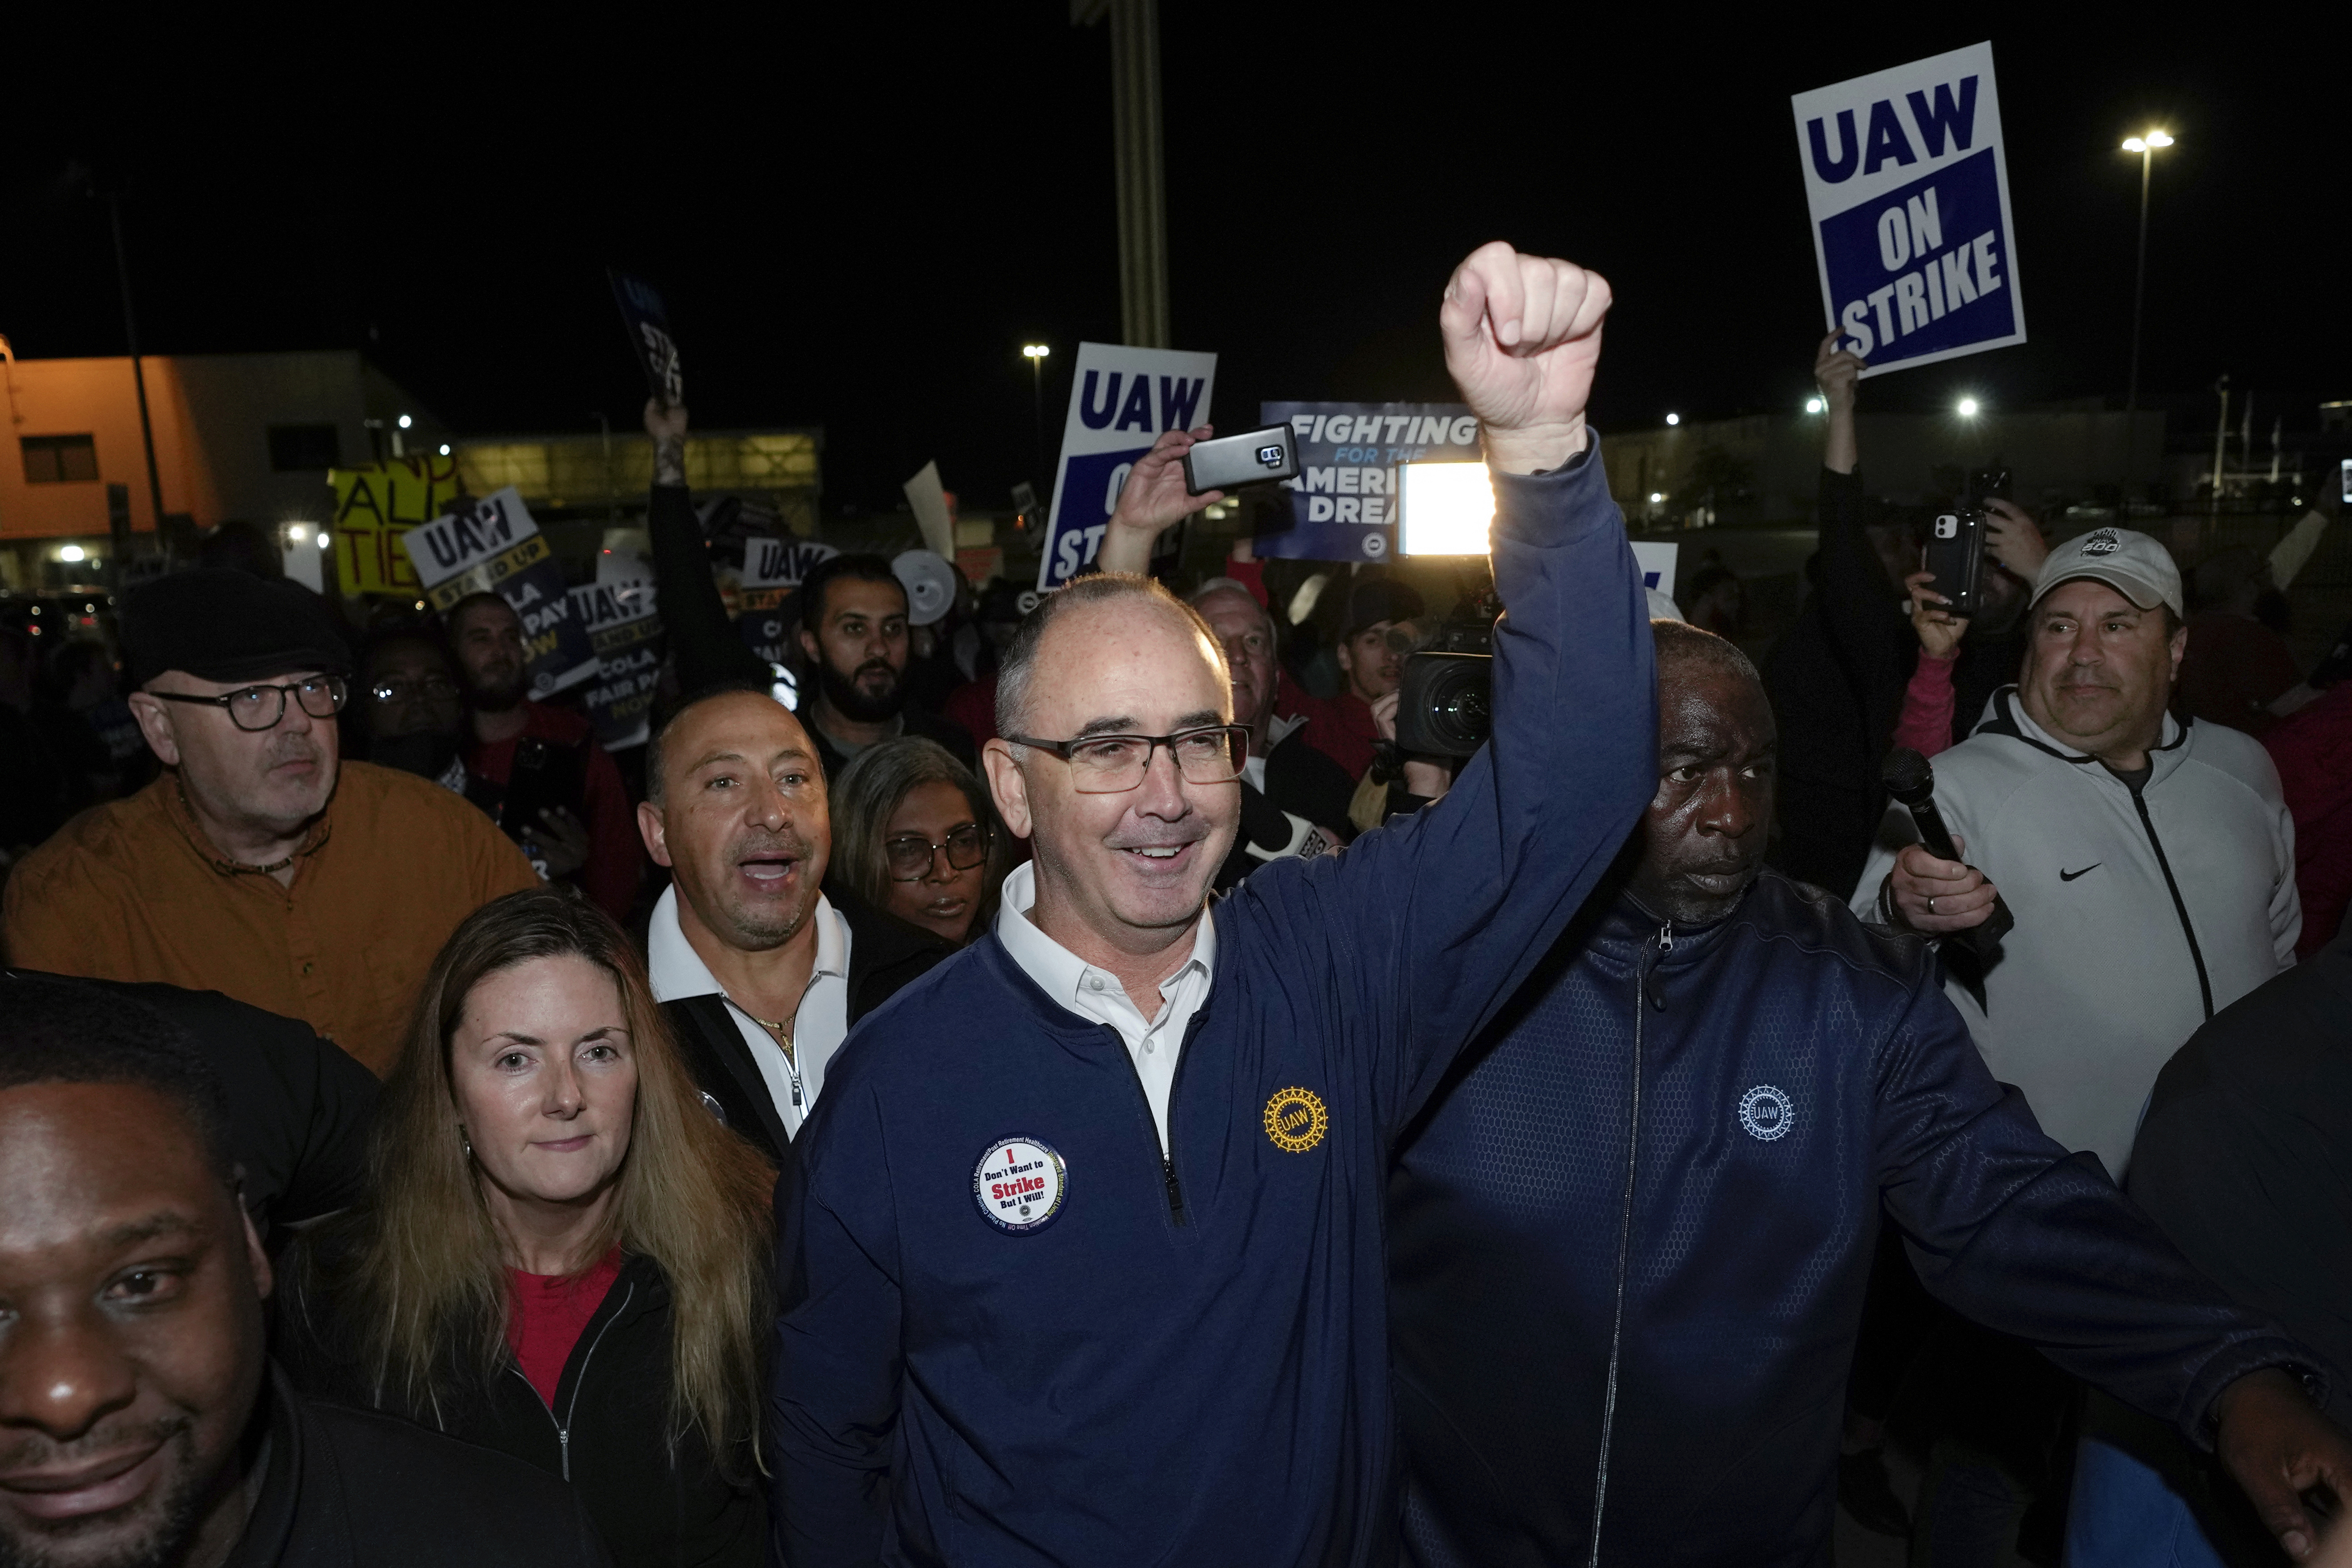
1295,1120
376,505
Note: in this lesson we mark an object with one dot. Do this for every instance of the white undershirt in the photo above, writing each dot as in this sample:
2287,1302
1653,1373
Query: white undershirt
1096,994
819,1026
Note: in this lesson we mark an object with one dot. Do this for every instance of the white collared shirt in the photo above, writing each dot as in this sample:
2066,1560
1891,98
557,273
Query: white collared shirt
1096,994
818,1027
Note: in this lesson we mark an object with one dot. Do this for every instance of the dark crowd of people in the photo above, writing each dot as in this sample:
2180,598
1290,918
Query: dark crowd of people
1070,1085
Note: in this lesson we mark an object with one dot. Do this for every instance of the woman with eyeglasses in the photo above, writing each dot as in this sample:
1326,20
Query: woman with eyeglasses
913,835
565,1256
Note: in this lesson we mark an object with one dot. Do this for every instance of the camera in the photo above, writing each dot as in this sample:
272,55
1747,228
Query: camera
1445,700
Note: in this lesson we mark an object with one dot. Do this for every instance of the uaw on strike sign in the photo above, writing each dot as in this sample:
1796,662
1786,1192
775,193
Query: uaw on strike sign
1120,401
1909,195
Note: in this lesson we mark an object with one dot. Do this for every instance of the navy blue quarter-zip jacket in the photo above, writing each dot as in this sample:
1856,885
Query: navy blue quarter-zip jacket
1185,1361
1631,1235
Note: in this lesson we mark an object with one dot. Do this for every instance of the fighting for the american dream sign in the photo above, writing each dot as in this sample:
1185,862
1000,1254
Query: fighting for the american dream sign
1343,503
1121,399
1909,194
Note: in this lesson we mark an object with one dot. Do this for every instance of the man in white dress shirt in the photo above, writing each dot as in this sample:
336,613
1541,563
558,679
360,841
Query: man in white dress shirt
761,970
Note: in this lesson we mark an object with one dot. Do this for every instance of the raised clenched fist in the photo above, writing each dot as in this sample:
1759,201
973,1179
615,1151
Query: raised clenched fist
1522,337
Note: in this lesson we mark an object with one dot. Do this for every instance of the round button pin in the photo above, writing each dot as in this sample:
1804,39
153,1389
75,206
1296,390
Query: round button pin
1019,1185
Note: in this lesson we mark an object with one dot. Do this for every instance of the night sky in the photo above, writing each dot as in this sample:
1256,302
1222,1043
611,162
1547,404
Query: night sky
860,215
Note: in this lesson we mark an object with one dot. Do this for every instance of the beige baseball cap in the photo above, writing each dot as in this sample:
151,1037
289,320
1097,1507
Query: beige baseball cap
2126,560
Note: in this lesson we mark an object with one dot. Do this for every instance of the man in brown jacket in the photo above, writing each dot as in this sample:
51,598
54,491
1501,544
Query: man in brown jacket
259,865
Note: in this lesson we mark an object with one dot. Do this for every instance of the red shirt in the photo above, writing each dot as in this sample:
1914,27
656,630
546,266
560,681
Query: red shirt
2313,749
550,1312
1340,727
973,706
610,877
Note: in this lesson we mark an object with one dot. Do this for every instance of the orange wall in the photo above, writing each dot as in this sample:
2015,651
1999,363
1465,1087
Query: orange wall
96,398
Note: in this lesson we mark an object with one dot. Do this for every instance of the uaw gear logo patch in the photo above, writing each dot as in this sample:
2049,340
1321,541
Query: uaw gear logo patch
1296,1119
2102,541
1766,1112
1019,1185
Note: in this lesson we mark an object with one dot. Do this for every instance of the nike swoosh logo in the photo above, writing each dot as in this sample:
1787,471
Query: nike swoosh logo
2066,876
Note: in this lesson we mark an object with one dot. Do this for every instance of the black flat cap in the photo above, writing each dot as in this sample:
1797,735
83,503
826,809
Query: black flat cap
220,625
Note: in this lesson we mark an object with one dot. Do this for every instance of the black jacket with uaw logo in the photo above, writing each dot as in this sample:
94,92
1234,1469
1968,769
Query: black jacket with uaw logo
606,1434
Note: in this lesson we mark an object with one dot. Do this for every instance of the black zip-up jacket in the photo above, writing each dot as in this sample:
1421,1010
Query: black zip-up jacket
1630,1239
606,1434
351,1489
885,954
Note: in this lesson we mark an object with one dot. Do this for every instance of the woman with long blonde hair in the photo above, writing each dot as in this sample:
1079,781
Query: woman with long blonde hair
565,1256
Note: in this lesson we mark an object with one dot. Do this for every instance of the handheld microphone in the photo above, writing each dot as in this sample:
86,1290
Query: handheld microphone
1909,779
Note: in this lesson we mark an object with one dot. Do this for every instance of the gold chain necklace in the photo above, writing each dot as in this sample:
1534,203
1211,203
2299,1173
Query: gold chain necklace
781,1029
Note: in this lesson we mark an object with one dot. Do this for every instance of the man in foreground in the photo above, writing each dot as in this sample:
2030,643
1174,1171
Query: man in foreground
261,865
1631,1238
141,1420
1081,1256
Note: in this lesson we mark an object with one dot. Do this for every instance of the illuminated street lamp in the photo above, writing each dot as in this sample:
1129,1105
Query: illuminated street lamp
1813,405
1036,354
1673,418
1968,408
2146,147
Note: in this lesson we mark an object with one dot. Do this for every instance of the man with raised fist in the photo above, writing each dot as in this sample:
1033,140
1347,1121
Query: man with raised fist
1108,1287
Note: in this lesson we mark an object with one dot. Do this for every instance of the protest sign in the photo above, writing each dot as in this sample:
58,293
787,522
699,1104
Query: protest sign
772,568
1909,193
646,319
624,630
1655,562
1121,399
493,546
929,499
1343,503
375,506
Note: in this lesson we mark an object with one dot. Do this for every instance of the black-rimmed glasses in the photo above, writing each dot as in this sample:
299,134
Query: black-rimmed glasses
910,856
1113,764
261,707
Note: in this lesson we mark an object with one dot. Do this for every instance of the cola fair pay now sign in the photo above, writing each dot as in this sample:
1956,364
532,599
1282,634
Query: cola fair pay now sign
1909,195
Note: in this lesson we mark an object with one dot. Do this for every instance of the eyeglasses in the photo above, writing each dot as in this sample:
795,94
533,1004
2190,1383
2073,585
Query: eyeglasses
1113,764
261,707
428,688
911,855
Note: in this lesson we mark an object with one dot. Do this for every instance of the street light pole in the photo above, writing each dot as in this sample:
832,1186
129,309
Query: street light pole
138,375
2146,147
1036,354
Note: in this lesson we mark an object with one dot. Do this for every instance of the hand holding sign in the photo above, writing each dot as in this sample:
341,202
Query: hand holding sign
1835,372
666,424
1153,501
1522,337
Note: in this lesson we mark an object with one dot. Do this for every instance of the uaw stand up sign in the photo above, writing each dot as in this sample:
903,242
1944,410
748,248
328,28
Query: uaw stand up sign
492,546
1909,195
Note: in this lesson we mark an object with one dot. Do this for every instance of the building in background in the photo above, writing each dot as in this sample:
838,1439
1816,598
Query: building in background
237,436
1766,467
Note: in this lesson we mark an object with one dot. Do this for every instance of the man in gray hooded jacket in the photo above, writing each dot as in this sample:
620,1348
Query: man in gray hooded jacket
2149,861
